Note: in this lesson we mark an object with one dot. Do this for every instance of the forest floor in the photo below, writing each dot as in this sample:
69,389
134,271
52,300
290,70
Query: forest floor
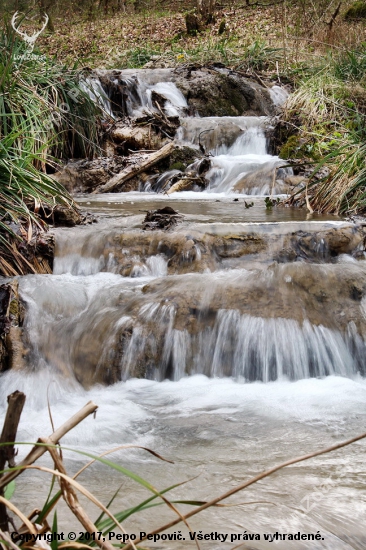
266,34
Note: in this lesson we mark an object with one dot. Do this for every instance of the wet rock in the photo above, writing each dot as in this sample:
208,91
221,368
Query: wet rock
295,181
162,218
263,181
294,291
63,216
211,92
180,159
324,245
194,249
310,314
12,349
164,326
209,134
84,176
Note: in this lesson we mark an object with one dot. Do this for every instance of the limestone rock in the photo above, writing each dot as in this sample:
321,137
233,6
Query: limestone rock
211,92
12,349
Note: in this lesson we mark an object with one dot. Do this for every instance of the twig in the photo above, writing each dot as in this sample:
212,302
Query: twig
251,482
6,539
54,438
308,206
71,499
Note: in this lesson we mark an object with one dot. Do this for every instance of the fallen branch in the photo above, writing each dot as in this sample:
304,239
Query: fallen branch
186,183
248,483
132,171
16,402
54,438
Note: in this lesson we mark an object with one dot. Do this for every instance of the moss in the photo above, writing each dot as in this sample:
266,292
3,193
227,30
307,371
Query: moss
297,147
236,100
230,102
178,166
14,308
180,159
356,11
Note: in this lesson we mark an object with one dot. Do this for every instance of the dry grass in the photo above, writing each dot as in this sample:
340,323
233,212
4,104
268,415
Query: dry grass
39,523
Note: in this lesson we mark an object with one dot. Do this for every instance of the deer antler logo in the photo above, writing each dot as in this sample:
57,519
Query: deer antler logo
29,40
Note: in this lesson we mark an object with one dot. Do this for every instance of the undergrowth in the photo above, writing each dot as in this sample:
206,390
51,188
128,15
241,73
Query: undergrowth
45,102
45,113
330,104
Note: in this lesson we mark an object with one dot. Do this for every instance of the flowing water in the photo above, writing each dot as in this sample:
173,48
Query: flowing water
232,343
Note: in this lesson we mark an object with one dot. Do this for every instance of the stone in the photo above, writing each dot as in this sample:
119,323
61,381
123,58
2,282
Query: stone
211,92
12,348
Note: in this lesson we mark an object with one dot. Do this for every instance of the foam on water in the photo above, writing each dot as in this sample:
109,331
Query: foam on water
247,428
330,403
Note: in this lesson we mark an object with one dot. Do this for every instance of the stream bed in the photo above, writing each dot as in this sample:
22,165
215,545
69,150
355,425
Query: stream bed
228,344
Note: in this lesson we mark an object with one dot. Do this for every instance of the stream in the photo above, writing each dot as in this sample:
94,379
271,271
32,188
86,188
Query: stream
228,344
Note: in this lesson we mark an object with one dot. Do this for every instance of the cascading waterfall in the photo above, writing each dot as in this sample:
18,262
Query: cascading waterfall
137,326
238,146
230,343
135,96
239,154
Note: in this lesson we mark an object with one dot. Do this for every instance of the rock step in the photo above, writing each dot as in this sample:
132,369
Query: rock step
198,248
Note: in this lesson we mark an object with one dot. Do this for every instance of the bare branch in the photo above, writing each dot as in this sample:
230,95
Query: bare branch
54,438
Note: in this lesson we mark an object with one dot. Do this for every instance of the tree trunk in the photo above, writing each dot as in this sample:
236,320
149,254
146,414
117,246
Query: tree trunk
206,10
44,8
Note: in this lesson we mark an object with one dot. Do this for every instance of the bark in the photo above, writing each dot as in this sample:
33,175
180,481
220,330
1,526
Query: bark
206,9
16,402
133,171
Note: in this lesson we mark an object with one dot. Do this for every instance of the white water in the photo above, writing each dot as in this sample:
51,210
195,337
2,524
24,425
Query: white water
94,89
247,155
238,152
278,95
237,145
139,98
224,432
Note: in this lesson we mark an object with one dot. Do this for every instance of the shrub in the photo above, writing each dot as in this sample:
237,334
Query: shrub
356,11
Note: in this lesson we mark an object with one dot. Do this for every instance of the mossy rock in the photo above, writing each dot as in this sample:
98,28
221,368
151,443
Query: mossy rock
297,147
219,96
356,11
210,92
178,166
180,159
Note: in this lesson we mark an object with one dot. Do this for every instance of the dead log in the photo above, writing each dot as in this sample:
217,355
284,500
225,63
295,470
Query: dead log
133,171
136,138
16,402
187,183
